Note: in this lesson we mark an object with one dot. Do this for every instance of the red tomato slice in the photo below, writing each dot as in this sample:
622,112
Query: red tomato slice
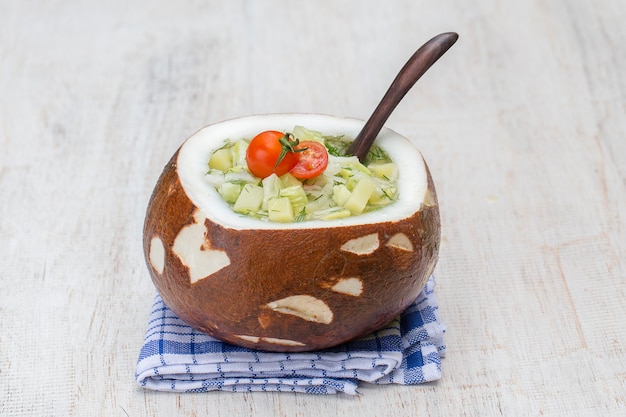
263,153
312,162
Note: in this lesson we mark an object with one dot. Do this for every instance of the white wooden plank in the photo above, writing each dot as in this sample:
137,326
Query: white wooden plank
522,124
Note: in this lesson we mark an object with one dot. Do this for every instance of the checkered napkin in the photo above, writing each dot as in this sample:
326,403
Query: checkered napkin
408,351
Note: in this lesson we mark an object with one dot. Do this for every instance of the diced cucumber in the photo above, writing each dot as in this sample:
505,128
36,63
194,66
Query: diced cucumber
296,196
362,168
280,210
319,181
346,172
221,159
346,188
289,180
341,194
354,172
230,191
388,171
352,166
320,203
383,196
354,180
271,188
249,200
361,193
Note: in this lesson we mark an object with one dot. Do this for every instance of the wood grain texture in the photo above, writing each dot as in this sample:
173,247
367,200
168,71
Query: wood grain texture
522,123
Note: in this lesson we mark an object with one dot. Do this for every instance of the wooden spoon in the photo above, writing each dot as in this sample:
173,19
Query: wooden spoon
415,67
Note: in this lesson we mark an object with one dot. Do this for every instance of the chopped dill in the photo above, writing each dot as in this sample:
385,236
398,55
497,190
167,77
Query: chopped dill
336,145
302,215
376,154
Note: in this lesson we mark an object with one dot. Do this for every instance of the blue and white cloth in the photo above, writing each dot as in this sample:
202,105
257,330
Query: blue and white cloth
408,351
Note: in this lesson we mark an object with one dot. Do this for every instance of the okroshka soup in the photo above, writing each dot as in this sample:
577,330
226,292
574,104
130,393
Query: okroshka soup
298,283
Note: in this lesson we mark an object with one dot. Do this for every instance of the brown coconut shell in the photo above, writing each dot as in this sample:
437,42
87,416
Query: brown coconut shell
286,289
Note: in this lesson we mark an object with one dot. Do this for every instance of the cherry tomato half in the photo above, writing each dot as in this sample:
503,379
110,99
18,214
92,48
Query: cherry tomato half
312,162
263,153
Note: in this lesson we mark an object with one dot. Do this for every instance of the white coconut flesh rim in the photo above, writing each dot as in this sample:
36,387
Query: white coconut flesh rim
193,157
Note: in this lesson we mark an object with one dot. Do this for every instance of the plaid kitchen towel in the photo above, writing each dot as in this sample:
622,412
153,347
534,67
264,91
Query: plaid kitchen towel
408,351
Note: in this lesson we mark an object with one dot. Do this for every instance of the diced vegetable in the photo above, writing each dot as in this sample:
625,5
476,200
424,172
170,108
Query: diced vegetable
280,210
319,181
271,189
345,187
383,196
249,200
361,193
354,168
296,195
230,191
319,203
289,180
388,171
341,194
221,159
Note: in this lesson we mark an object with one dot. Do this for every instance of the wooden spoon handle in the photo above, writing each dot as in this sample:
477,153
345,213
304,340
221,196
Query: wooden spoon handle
415,67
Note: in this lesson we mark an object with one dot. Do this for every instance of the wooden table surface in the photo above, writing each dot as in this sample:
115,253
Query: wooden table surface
523,124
